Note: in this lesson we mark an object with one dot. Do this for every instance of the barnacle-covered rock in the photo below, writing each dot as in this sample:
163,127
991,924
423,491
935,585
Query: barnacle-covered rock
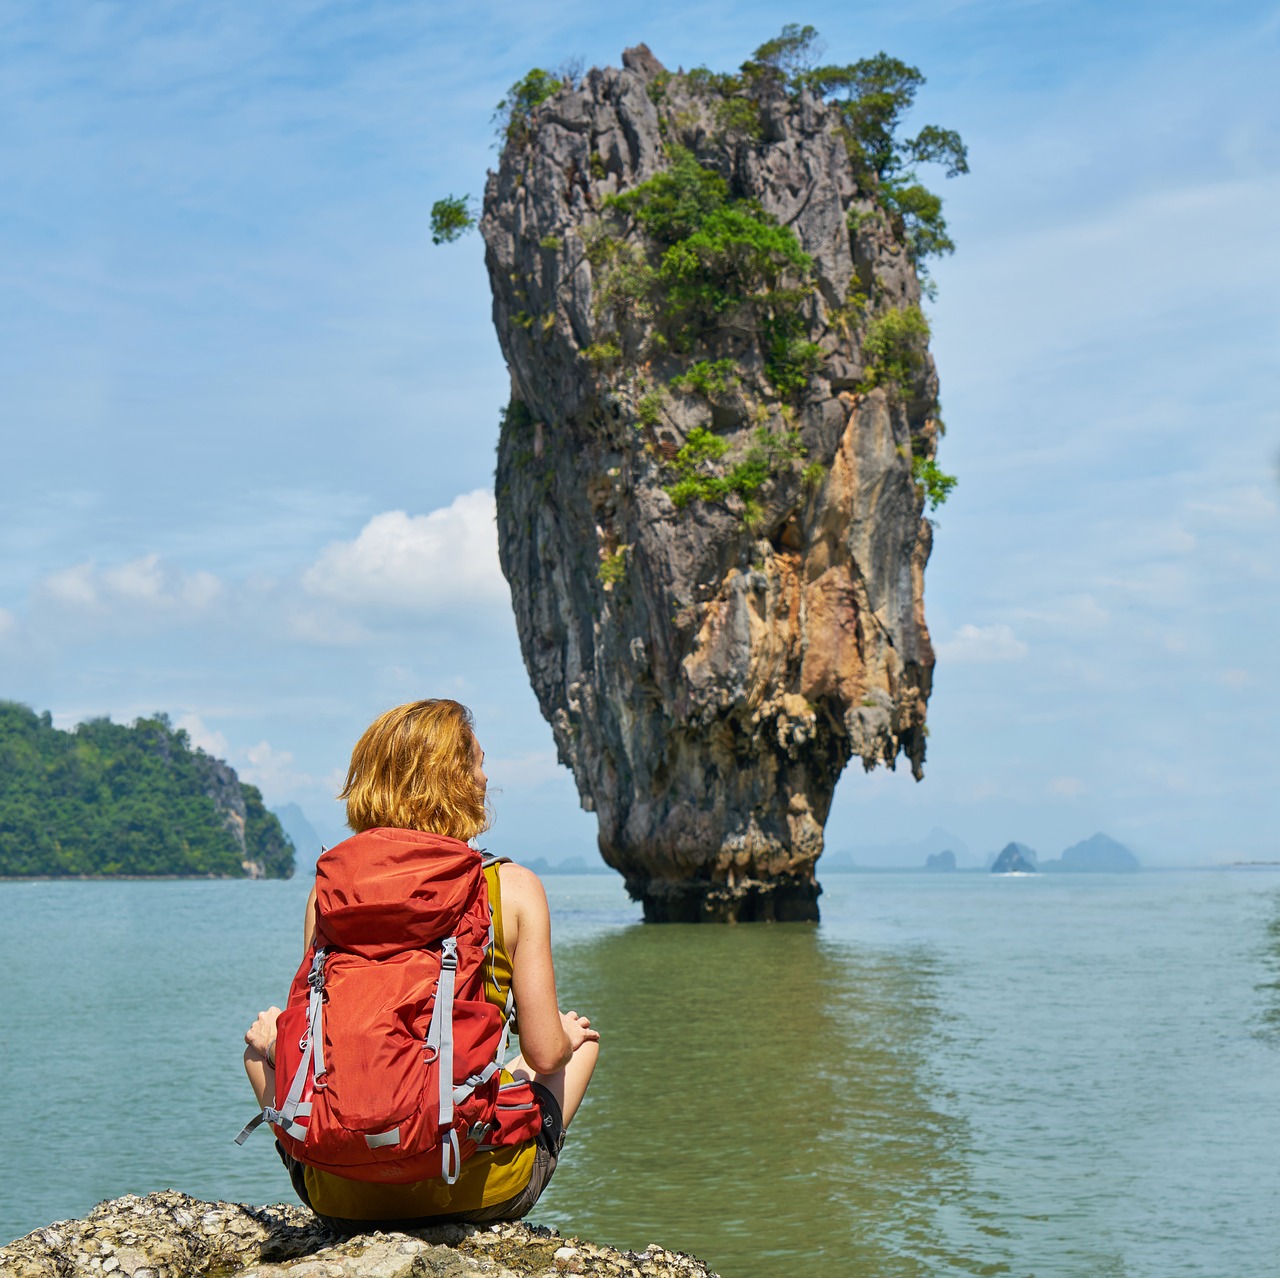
169,1235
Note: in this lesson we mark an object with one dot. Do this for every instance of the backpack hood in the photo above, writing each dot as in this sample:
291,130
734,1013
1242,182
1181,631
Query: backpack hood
385,890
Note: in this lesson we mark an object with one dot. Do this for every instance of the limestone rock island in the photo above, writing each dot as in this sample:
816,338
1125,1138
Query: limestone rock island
713,469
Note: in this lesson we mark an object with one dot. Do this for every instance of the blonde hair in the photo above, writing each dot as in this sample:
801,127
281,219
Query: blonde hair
414,769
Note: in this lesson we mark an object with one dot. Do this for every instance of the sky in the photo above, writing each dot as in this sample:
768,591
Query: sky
248,411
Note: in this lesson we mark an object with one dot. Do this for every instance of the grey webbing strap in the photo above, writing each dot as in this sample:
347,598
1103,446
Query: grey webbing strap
450,1159
444,1013
256,1121
313,1052
440,1040
314,1012
463,1090
288,1111
434,1030
378,1140
272,1115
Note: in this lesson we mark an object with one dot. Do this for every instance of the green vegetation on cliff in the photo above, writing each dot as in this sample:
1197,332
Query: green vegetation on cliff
872,96
722,263
113,800
699,290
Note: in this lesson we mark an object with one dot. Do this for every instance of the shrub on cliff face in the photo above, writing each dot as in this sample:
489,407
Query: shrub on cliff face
720,261
934,483
893,348
514,114
789,55
718,257
451,217
698,479
673,204
872,95
708,378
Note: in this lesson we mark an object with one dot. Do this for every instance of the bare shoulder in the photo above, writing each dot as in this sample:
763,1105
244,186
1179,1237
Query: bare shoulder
525,913
521,885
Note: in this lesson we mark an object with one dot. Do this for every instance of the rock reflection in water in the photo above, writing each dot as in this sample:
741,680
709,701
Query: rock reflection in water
1269,1012
765,1100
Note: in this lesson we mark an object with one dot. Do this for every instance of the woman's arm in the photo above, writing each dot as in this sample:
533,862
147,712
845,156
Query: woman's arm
548,1038
260,1054
309,923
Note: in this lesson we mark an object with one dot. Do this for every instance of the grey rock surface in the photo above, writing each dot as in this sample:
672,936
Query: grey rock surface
1098,854
169,1235
1015,858
709,695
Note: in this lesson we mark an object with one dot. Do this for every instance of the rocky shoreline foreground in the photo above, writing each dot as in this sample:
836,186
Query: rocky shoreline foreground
171,1235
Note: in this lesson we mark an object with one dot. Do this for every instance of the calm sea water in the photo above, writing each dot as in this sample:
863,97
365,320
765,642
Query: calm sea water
1068,1075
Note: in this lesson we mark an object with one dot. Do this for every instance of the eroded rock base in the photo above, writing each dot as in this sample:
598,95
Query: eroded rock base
783,900
169,1235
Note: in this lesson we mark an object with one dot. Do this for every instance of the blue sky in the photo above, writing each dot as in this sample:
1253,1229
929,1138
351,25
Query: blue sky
249,411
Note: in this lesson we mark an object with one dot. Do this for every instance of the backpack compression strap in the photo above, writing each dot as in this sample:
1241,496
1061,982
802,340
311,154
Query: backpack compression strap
440,1040
312,1061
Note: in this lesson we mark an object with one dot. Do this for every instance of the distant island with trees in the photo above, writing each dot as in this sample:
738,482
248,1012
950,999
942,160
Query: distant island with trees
942,852
109,800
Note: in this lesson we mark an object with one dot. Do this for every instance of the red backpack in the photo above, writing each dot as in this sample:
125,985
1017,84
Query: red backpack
388,1054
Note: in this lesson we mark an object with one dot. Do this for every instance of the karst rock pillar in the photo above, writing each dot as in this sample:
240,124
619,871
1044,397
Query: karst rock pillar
707,668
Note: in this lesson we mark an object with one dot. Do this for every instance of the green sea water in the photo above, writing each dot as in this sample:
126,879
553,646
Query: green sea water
950,1075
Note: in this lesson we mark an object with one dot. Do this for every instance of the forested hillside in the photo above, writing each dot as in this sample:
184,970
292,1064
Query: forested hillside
107,799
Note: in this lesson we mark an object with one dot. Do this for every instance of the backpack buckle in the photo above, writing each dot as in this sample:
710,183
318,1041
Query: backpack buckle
449,954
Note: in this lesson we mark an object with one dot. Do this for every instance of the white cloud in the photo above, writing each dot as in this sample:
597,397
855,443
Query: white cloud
200,589
527,770
73,586
983,643
325,627
449,556
146,583
273,771
202,736
140,580
7,622
1065,787
1239,507
1073,613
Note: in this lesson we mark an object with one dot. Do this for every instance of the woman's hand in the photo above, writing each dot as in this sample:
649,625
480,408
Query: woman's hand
261,1035
578,1030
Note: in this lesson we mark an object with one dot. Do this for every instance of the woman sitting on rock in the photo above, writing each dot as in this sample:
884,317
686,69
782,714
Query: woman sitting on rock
406,916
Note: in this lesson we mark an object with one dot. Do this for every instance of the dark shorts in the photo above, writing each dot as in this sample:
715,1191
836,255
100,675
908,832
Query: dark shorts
549,1142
